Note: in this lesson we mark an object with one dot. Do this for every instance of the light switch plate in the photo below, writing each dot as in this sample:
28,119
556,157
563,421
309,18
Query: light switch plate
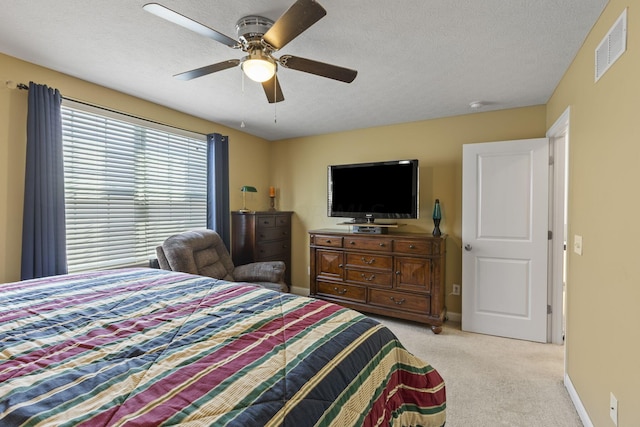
577,244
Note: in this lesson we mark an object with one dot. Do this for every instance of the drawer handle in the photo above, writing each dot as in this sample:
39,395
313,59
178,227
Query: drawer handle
340,265
382,245
352,242
398,273
328,241
371,261
368,279
411,247
398,302
340,291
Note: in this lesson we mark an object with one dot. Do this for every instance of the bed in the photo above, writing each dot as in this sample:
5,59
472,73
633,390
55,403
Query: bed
146,347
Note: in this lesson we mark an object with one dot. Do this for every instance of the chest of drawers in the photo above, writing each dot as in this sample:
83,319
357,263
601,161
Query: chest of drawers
398,275
261,236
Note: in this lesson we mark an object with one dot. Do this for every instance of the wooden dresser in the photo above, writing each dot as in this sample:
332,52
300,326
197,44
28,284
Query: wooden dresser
261,236
398,275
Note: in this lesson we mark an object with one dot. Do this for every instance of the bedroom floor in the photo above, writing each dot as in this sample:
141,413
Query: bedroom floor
493,381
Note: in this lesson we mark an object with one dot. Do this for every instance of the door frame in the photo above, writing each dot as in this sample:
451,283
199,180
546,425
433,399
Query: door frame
558,135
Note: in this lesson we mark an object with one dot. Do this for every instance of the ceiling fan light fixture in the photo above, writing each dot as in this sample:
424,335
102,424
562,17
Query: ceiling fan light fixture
258,67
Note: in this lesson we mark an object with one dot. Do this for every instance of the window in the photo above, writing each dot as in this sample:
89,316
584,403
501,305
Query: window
129,184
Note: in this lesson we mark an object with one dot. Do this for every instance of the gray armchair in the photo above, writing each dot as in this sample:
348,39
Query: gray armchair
202,252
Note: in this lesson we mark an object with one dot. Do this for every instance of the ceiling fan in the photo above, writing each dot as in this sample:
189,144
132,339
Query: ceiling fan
260,38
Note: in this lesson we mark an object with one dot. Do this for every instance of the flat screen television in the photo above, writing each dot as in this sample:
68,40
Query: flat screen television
366,191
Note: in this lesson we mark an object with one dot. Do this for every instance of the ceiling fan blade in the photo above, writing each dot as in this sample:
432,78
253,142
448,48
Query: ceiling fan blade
203,71
272,90
318,68
189,24
300,16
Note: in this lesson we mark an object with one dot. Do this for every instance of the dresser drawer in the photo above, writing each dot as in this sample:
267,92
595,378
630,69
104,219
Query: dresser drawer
412,247
400,301
368,277
382,262
265,221
343,291
282,221
272,249
265,234
328,241
368,244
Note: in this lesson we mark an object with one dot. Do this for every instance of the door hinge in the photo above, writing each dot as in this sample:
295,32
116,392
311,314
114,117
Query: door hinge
549,310
550,235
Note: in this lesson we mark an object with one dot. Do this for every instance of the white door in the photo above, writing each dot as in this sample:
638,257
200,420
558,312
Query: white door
504,238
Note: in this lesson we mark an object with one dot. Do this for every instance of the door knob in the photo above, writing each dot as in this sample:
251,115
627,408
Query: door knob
467,247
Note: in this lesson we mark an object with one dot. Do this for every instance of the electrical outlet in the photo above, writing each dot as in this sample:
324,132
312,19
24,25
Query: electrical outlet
613,409
456,289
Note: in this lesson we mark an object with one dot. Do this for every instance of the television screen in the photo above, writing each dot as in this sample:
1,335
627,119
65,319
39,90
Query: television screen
366,191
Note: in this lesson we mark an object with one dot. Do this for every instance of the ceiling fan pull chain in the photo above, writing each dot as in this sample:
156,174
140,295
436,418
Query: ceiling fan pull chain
275,97
242,125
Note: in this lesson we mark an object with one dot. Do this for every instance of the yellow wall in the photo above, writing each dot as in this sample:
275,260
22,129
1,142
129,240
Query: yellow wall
246,153
603,285
300,173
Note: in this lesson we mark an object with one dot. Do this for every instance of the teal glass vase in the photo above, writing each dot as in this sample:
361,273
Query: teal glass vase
437,216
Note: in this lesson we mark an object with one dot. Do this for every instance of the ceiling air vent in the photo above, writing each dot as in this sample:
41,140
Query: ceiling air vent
612,46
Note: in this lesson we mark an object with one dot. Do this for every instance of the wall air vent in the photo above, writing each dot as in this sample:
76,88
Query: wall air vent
612,46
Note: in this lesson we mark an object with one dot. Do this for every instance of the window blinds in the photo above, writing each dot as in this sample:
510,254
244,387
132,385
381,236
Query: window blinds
127,188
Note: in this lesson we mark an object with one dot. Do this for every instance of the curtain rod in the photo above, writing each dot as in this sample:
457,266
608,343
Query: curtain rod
22,86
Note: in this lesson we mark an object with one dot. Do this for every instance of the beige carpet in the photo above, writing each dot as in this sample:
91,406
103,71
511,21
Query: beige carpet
493,381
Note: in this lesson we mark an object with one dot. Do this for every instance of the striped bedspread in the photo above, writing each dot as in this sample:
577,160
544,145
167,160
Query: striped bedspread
143,347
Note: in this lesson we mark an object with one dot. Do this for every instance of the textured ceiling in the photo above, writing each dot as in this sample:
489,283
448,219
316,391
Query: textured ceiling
416,59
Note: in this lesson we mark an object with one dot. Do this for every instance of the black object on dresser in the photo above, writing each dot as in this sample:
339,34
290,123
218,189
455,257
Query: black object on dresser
262,236
398,274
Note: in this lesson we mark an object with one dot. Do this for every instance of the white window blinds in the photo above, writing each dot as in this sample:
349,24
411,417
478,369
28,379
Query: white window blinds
128,186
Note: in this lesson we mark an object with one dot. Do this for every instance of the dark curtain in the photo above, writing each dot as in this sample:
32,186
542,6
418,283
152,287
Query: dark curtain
43,229
218,216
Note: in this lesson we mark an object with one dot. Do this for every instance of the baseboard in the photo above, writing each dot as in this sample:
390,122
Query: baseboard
573,394
454,317
300,291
